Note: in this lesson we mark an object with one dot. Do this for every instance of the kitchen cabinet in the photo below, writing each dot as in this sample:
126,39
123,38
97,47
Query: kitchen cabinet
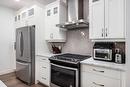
34,15
55,13
93,80
28,16
42,70
107,19
93,76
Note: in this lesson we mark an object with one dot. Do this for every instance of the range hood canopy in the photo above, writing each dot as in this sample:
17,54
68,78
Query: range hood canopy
75,16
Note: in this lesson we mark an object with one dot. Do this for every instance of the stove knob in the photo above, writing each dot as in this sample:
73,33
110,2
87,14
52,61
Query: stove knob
73,60
54,57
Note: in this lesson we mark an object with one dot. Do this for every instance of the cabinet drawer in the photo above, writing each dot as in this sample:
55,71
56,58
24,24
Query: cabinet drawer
101,71
43,59
44,69
44,80
93,80
44,73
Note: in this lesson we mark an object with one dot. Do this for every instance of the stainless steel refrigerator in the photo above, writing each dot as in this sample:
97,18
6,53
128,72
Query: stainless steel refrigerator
25,54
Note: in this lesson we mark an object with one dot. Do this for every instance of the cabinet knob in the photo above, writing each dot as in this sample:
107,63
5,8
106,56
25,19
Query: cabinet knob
51,35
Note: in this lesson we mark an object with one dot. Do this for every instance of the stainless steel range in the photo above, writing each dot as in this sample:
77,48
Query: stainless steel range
65,70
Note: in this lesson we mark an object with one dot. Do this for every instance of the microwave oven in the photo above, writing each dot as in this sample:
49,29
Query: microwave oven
103,51
103,54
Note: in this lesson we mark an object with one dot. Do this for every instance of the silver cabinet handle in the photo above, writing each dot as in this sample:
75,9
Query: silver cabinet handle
44,67
95,0
98,84
102,32
43,78
106,33
43,59
98,71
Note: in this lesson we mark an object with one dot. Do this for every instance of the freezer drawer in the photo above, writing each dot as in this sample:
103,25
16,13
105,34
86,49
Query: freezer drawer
23,71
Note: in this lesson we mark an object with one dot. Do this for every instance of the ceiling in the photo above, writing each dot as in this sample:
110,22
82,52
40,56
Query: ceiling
17,5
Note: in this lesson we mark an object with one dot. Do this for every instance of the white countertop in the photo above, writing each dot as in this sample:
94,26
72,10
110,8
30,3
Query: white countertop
45,54
2,84
104,64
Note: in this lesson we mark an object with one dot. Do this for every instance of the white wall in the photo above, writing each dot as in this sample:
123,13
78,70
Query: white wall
7,57
128,43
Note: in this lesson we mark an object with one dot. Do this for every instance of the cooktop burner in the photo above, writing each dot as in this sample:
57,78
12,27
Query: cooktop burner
75,58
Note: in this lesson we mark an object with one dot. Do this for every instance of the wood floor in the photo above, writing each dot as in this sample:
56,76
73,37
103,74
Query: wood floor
11,81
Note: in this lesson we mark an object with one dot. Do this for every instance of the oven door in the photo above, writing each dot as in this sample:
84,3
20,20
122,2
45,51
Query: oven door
62,76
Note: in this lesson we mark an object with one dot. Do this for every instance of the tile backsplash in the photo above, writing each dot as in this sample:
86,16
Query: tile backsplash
120,46
78,42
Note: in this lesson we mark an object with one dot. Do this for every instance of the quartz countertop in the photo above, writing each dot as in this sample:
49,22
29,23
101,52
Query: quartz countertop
2,84
111,65
45,54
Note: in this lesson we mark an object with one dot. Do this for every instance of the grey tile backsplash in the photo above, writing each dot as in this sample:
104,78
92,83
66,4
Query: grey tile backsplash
78,42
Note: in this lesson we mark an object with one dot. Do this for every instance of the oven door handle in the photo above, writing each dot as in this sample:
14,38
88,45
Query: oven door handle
64,67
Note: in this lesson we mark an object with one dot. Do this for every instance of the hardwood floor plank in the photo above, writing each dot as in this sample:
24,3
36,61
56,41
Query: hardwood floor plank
11,81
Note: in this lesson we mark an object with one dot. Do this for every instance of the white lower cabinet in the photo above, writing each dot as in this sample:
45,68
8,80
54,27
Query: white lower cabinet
93,80
92,76
43,70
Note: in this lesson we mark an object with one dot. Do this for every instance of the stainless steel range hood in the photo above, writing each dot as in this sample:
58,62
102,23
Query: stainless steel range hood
75,16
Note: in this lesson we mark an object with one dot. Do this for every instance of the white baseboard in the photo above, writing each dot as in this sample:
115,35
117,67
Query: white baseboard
7,71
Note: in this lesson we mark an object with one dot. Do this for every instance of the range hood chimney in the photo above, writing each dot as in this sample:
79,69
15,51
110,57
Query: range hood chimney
75,15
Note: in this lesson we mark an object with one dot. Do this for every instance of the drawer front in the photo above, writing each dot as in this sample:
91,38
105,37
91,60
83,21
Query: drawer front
44,80
101,71
43,59
44,73
44,69
93,80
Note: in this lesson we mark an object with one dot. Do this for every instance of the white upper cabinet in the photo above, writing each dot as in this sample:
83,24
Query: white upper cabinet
27,16
97,19
34,15
55,13
107,19
114,19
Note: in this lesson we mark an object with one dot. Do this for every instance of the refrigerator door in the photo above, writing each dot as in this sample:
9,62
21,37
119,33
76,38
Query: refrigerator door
23,71
23,44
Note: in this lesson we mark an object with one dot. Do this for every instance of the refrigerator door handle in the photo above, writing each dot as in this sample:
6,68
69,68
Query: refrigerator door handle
21,44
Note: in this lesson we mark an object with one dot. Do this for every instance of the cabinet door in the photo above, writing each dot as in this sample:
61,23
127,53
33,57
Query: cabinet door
93,80
52,18
48,23
55,20
96,19
114,19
